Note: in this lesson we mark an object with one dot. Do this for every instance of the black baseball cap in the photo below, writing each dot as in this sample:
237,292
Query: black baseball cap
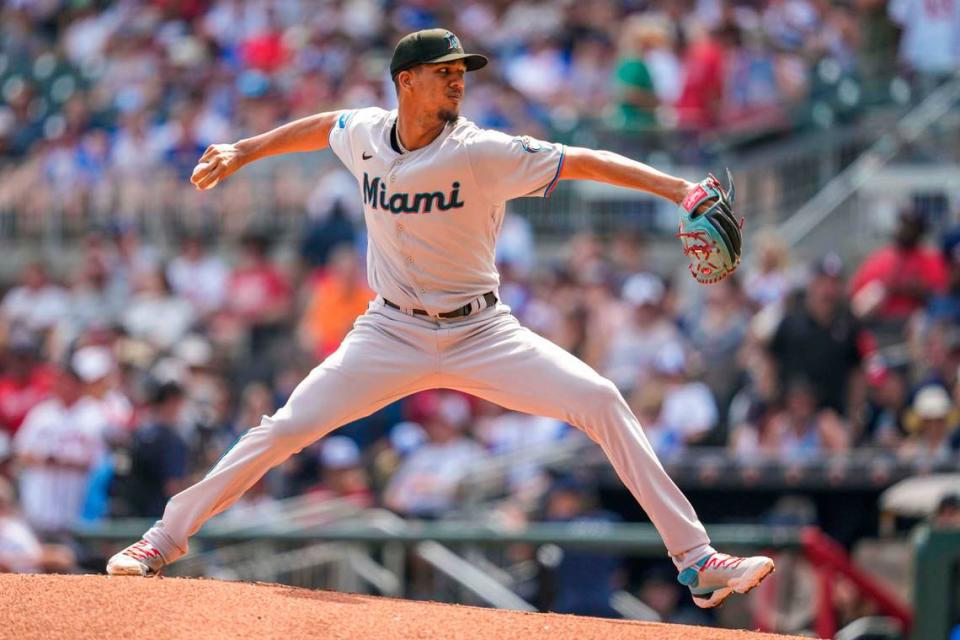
432,45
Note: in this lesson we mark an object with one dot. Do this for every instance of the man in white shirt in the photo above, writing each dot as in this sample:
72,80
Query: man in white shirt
59,443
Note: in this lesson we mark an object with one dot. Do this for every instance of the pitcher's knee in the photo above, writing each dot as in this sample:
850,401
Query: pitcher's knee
284,426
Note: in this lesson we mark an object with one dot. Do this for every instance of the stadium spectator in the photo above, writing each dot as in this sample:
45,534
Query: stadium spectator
25,382
258,292
945,306
931,31
60,441
767,282
699,106
689,411
333,213
502,432
947,515
637,98
896,280
199,275
97,369
21,551
716,330
336,295
93,304
426,484
753,405
158,454
585,580
932,437
632,347
36,305
804,429
155,313
886,408
820,341
343,475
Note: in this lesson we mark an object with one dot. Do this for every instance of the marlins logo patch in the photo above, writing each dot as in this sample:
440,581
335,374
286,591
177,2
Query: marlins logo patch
452,40
529,144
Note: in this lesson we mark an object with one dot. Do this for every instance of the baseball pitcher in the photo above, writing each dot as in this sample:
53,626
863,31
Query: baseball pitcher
433,187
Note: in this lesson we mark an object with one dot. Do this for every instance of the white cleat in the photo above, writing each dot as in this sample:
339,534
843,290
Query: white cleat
139,559
718,576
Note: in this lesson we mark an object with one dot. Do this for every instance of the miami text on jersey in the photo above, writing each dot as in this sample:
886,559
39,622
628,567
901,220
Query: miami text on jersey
375,193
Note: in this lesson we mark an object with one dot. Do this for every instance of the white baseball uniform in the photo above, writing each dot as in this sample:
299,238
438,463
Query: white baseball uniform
433,215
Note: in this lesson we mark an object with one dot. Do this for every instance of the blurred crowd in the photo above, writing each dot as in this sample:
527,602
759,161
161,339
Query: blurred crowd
95,90
124,380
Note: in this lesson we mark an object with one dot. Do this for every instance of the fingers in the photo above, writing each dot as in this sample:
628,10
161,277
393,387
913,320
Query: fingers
208,154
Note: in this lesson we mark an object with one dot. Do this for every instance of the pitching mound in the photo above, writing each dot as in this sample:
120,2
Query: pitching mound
101,607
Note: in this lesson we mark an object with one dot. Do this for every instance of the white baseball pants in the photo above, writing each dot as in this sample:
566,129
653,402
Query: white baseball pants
390,354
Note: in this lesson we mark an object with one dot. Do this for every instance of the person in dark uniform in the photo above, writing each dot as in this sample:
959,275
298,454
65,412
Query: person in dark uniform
158,454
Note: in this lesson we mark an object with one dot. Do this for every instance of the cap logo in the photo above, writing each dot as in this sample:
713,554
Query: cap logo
452,40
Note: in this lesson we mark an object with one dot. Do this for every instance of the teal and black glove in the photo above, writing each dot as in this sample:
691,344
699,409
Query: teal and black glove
710,231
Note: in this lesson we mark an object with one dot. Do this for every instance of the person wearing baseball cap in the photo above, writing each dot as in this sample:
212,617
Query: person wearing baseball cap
434,188
431,46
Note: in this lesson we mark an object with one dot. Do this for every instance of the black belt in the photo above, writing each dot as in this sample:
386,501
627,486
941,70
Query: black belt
489,297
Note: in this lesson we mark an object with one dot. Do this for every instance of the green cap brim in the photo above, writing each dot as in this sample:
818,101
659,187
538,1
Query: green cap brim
474,61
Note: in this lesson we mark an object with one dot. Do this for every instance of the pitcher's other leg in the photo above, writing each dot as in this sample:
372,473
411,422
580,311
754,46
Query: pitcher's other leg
510,365
380,361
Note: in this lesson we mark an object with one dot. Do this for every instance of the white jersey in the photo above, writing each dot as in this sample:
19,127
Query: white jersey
433,214
52,495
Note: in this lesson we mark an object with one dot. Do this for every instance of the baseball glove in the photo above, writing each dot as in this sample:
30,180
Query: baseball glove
710,231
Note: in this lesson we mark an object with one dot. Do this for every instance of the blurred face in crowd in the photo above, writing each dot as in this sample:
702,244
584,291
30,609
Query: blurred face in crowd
823,293
169,411
564,505
344,265
646,313
68,387
948,514
440,430
435,90
892,391
801,401
346,480
909,232
153,283
34,276
192,248
933,428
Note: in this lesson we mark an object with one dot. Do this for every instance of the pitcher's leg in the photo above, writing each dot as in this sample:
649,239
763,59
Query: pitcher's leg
513,367
372,368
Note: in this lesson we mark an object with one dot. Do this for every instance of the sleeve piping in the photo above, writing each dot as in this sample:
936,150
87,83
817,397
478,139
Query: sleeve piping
556,178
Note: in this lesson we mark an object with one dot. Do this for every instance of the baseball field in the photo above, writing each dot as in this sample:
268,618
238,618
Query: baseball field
88,606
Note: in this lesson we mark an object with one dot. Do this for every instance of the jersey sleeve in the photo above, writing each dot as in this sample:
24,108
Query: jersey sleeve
346,133
340,142
510,167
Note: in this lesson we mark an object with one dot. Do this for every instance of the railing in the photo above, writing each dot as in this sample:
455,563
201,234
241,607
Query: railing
350,545
772,180
926,135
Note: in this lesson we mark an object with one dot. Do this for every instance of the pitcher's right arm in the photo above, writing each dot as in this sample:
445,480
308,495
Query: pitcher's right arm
222,160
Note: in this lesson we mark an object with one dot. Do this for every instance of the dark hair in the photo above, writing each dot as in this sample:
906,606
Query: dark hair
164,392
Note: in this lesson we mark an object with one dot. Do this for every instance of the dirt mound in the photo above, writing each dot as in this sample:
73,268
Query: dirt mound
101,607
